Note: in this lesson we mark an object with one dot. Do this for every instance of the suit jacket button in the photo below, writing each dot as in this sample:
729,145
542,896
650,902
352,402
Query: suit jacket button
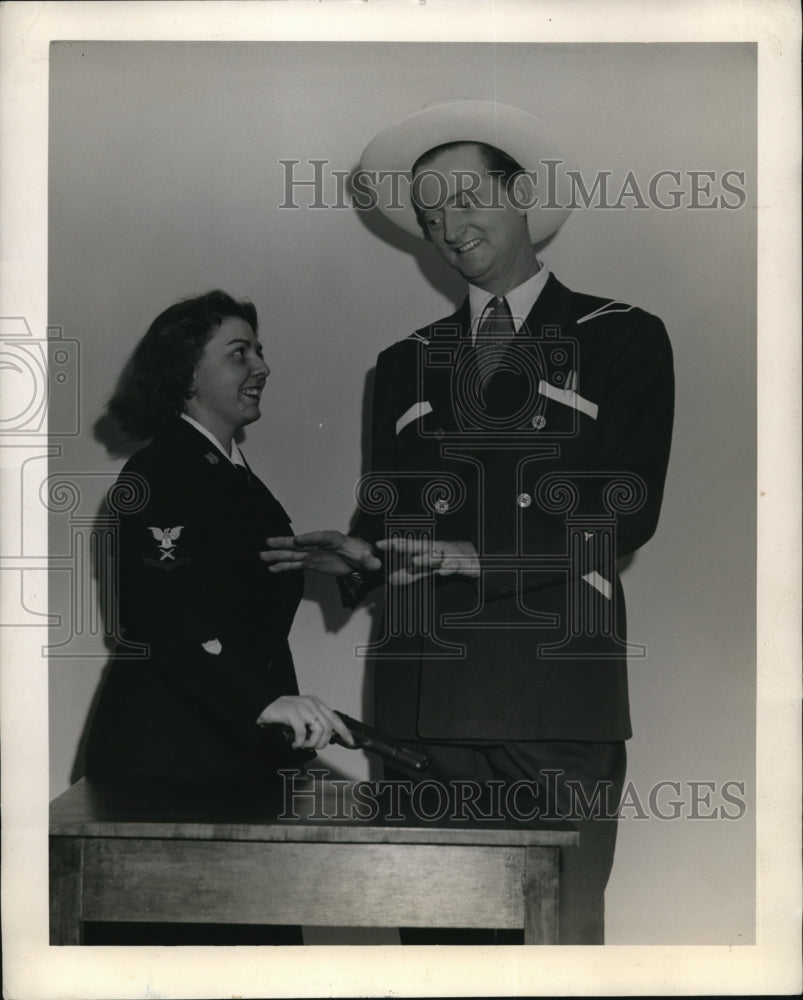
524,499
441,506
539,422
439,434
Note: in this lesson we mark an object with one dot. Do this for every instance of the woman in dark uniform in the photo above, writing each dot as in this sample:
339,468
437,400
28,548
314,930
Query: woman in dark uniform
193,590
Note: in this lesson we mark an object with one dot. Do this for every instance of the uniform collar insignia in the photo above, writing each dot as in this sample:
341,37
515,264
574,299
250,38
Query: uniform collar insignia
212,458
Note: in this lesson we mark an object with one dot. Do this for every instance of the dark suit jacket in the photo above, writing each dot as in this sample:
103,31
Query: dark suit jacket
552,471
215,621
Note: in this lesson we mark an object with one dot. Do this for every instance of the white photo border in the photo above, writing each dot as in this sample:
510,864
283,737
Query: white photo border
772,965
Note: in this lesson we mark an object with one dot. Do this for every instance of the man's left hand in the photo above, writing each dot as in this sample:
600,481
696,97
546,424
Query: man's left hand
411,559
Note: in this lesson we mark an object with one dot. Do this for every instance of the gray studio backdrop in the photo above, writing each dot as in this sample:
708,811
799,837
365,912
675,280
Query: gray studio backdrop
166,181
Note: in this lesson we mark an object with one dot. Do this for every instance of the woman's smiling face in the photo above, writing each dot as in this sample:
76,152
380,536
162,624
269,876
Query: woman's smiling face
228,380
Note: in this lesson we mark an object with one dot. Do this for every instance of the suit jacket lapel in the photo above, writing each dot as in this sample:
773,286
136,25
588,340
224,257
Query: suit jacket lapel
550,309
438,384
547,323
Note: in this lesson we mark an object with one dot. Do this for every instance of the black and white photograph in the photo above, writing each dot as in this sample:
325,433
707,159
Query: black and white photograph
400,563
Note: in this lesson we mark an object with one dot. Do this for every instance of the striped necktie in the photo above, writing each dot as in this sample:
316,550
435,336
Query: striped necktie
494,333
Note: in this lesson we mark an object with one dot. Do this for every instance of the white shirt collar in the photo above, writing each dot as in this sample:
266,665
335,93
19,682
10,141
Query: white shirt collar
520,299
236,457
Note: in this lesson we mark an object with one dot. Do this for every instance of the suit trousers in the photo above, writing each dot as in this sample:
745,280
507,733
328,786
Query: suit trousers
579,780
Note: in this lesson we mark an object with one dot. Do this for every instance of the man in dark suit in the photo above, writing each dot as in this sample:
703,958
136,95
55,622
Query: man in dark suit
519,448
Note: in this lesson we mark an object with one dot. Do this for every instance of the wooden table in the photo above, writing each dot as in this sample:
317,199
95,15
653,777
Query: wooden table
153,854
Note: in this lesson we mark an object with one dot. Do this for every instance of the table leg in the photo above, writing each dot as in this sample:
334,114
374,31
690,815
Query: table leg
66,887
541,920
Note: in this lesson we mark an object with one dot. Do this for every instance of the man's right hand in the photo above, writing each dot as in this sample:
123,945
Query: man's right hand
329,552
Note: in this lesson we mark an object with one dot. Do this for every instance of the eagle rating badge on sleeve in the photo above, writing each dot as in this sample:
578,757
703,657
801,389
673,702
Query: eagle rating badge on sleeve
167,538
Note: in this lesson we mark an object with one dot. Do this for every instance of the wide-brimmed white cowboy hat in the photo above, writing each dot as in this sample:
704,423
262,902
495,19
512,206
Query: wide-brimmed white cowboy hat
538,147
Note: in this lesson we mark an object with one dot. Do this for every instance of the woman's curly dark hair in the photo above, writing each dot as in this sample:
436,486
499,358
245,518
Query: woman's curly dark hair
157,380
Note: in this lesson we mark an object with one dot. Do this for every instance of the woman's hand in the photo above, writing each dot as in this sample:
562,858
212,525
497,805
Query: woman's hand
329,552
312,722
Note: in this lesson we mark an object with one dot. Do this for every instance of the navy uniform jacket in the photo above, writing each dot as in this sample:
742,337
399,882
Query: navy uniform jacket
552,471
215,621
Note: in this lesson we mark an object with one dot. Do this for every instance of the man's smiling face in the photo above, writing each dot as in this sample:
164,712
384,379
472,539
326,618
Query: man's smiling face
475,228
